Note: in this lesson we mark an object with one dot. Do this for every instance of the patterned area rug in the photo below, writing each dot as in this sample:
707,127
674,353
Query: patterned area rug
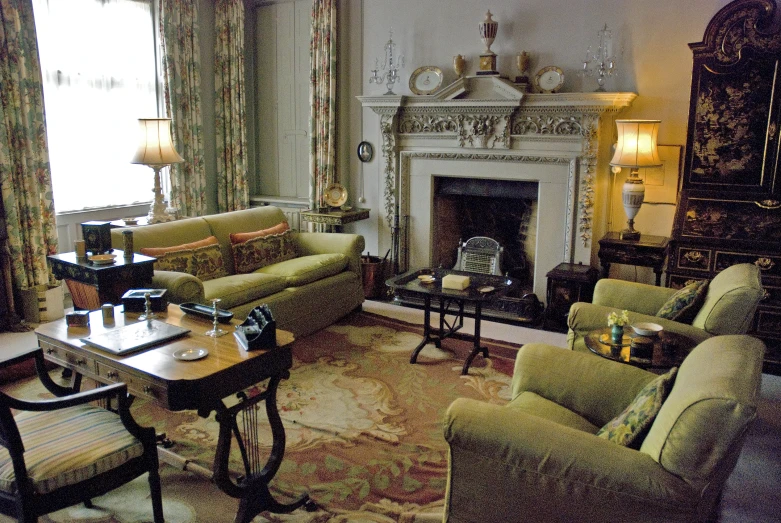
363,427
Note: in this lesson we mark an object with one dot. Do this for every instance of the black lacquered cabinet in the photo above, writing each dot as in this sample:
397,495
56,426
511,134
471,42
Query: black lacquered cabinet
729,208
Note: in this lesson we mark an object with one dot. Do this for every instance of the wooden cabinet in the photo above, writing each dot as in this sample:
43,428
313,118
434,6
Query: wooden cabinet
729,209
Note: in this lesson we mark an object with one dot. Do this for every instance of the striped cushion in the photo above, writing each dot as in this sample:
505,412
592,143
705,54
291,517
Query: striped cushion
67,446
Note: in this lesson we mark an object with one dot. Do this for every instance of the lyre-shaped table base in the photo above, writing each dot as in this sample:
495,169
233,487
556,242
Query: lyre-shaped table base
252,489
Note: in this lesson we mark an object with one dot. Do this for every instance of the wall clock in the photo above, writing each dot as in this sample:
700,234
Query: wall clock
549,79
425,80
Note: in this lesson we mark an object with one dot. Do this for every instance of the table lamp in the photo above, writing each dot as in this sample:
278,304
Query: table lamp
636,148
156,149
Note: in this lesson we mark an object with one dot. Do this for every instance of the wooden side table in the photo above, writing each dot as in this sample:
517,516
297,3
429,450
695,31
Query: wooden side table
648,251
567,283
93,285
336,218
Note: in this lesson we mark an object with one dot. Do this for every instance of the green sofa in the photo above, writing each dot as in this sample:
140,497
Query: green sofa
538,458
731,300
306,293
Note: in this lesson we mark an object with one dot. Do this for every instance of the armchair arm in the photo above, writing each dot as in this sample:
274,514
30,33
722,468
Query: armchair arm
182,287
632,296
351,245
507,465
596,388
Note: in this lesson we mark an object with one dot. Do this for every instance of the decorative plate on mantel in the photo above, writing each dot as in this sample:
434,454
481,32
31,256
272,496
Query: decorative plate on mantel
425,80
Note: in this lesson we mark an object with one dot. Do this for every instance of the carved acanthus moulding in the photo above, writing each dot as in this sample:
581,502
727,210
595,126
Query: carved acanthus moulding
493,124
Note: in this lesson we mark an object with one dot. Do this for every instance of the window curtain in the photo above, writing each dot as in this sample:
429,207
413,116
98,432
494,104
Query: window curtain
322,100
181,68
25,175
230,127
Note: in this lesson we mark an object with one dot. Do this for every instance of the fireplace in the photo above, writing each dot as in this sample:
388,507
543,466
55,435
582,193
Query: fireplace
503,210
484,134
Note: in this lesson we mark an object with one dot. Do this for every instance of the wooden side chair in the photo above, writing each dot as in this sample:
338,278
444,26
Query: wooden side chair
58,452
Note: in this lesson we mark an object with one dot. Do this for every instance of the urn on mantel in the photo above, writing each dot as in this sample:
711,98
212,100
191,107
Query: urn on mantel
488,29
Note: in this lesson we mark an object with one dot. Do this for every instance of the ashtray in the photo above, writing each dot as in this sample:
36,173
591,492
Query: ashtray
486,289
102,259
190,354
130,221
426,278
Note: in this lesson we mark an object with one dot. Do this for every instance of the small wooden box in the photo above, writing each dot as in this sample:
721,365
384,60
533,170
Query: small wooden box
567,284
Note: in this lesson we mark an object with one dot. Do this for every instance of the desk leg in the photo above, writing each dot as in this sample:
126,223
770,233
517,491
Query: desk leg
477,348
426,330
252,490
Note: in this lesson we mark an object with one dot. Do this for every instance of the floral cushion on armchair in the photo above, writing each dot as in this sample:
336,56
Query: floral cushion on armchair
684,305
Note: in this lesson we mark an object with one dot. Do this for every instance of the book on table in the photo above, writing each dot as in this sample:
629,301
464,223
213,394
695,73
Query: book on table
135,337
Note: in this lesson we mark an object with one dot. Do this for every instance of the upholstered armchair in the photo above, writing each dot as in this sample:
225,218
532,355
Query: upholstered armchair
538,458
728,308
59,452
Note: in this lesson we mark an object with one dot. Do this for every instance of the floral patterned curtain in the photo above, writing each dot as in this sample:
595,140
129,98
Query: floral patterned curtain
322,100
231,132
25,175
181,67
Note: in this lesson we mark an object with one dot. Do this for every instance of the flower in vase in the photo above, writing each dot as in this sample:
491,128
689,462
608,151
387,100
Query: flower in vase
615,318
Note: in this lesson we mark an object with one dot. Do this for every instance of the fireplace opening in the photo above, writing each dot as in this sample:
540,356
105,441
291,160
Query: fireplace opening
503,210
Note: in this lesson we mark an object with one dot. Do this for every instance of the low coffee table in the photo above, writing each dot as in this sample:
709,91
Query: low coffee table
669,350
482,288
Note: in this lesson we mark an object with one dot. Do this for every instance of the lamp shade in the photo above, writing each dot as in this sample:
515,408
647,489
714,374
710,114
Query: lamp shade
155,145
636,145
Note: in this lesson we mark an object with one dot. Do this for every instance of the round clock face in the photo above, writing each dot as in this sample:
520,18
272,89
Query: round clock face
550,79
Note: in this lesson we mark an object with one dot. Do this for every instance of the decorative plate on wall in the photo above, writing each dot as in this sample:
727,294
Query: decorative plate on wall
335,195
425,80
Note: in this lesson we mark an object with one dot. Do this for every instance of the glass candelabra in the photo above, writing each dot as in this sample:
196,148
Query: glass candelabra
391,68
601,63
215,331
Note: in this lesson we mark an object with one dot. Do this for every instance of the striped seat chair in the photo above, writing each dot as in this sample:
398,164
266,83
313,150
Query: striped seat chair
60,452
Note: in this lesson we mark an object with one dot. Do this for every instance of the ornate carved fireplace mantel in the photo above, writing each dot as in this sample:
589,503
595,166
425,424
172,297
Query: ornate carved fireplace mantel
498,131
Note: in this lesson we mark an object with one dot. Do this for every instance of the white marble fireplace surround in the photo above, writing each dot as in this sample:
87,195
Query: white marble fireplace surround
486,127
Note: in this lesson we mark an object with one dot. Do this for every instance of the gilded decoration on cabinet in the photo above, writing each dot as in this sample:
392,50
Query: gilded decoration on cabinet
730,127
732,220
764,264
769,204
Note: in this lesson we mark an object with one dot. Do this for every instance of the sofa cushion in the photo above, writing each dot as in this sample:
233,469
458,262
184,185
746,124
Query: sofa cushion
629,427
176,261
684,305
253,254
203,258
207,262
238,289
241,237
306,269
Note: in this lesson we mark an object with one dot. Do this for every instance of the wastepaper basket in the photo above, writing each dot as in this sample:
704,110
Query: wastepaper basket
373,271
43,303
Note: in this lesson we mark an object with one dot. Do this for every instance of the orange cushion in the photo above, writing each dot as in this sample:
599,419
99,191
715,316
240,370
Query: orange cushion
159,251
202,259
241,237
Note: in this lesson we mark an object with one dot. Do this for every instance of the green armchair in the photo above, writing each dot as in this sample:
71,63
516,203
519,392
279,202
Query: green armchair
538,458
731,300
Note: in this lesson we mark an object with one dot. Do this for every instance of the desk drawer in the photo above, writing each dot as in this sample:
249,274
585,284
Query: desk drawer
137,386
69,359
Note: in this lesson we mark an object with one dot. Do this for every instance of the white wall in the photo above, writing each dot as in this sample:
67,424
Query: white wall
656,64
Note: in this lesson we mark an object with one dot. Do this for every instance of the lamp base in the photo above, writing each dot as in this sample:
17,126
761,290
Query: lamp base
628,235
157,211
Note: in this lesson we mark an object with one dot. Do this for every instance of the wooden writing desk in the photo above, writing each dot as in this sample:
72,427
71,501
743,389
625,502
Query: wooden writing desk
193,385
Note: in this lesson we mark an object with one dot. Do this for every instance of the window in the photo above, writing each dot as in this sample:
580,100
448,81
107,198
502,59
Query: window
98,62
